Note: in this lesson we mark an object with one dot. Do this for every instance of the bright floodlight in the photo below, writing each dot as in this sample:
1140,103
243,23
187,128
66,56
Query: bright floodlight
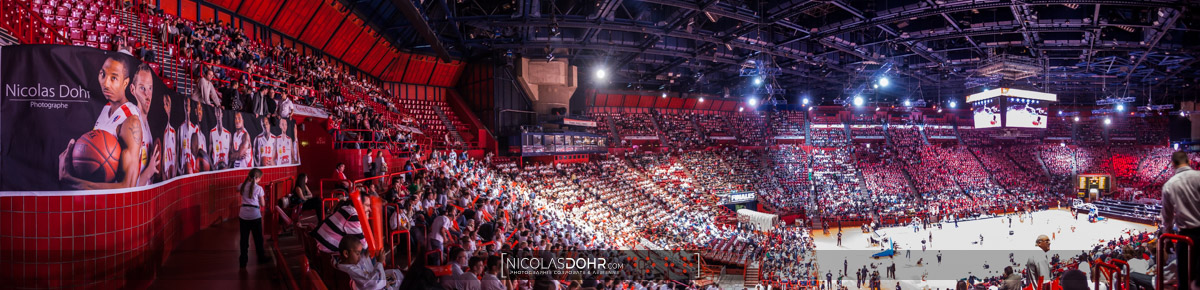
757,80
805,101
877,109
883,82
1060,112
1076,118
601,73
701,99
858,101
664,94
907,103
1120,107
1107,121
741,109
953,104
1062,144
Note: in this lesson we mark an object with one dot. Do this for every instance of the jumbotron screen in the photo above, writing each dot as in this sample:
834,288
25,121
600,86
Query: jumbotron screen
986,113
1025,113
1012,108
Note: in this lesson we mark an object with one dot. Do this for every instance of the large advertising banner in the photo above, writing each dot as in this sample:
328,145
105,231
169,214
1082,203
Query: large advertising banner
76,118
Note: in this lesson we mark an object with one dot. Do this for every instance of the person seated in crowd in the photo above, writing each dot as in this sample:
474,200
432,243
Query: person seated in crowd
367,273
302,196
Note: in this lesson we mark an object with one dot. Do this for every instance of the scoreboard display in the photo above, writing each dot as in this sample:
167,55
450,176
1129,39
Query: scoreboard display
1100,184
1097,182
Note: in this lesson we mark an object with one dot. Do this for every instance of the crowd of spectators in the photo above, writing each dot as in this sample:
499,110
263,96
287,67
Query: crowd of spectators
752,128
787,123
715,124
904,135
829,137
681,132
866,131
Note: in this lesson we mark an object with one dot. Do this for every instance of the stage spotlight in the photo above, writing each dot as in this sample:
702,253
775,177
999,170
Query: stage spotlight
741,109
758,80
664,95
875,86
907,103
953,104
701,99
877,109
1120,107
1107,121
601,73
1076,118
939,110
805,101
884,82
858,101
753,102
1060,112
810,108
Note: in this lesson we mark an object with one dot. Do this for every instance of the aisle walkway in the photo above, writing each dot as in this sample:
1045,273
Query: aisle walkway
209,260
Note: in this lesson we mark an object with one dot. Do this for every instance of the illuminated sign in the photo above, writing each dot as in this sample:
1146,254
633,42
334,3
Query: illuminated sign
1017,93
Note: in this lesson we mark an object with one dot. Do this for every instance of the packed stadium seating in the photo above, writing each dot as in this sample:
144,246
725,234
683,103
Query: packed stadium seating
788,123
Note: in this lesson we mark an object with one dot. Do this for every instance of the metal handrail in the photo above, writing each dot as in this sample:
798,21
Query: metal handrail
1161,259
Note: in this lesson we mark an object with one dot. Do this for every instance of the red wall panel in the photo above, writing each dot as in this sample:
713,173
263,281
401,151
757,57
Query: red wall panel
322,26
170,7
705,105
600,100
358,50
342,38
420,68
187,10
294,15
647,101
395,73
689,104
729,106
615,100
259,10
206,13
99,241
676,103
663,102
373,56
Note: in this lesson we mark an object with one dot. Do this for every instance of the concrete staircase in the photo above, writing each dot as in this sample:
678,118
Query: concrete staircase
752,275
449,125
170,68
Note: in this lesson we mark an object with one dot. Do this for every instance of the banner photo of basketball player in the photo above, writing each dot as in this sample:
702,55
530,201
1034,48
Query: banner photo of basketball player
77,118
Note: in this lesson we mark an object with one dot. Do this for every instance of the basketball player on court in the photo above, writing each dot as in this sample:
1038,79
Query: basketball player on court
120,118
143,92
220,142
241,153
264,144
285,147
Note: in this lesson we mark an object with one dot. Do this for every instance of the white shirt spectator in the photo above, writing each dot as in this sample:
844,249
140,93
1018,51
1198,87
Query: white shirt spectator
250,209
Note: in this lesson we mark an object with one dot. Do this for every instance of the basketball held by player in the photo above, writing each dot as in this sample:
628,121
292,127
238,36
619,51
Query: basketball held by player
119,118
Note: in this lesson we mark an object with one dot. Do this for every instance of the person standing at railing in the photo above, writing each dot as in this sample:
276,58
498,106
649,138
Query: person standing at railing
205,93
1181,209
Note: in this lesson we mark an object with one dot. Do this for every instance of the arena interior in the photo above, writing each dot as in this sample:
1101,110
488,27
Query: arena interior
607,144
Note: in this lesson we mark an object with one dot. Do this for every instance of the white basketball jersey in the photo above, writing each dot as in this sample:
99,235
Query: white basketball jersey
284,149
109,121
220,146
265,146
246,160
170,164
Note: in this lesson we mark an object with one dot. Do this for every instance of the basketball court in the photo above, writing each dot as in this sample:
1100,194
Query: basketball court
962,254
